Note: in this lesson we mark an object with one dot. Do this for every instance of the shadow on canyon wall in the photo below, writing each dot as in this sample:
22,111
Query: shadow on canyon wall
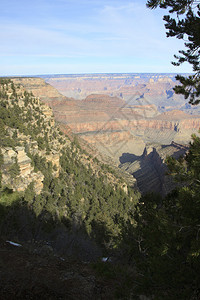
128,158
150,169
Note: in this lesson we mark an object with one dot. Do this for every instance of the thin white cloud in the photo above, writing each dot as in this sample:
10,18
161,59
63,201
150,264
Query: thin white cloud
114,30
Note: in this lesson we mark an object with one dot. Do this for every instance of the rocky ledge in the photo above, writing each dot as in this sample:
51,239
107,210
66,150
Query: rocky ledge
18,172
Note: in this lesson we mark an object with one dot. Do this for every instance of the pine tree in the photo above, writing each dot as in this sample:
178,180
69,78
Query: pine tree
167,236
184,23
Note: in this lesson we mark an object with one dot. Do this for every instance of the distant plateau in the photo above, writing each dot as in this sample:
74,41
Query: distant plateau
134,120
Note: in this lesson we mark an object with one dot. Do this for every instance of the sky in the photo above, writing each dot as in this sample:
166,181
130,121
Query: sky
84,36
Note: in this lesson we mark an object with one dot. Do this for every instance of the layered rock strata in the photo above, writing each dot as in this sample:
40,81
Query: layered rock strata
25,174
113,125
42,133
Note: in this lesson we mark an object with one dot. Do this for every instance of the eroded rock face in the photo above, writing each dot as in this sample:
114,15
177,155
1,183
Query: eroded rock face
101,112
106,119
120,117
193,123
115,137
38,87
25,174
38,135
54,157
120,85
150,169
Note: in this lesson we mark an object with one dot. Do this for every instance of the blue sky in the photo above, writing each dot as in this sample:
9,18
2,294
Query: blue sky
84,36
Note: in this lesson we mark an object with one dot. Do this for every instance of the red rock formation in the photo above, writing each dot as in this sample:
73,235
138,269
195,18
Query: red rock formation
134,125
102,116
104,99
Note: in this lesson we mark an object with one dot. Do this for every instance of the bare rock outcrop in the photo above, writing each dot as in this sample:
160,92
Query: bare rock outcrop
39,88
114,126
23,174
150,169
36,133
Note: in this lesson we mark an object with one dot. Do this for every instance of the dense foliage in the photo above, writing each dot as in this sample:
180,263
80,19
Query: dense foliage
157,239
164,247
85,195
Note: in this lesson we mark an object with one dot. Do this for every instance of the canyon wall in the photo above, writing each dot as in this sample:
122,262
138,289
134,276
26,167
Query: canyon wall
100,116
39,88
150,169
115,125
152,88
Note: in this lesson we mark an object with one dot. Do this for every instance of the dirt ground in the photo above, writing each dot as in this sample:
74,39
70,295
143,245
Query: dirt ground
29,272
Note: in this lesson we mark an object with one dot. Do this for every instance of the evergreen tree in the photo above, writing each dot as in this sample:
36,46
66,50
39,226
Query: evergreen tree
184,23
167,236
165,244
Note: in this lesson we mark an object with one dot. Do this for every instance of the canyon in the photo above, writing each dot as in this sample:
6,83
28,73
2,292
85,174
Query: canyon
122,115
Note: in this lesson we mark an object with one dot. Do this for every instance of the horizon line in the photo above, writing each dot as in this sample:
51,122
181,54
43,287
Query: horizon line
92,73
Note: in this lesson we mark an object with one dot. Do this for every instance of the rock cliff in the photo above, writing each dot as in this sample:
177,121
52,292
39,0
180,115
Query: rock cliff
26,174
35,135
150,169
39,88
155,88
37,138
103,114
111,122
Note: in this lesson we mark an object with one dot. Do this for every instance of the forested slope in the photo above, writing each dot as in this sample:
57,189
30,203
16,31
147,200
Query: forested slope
55,198
44,171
